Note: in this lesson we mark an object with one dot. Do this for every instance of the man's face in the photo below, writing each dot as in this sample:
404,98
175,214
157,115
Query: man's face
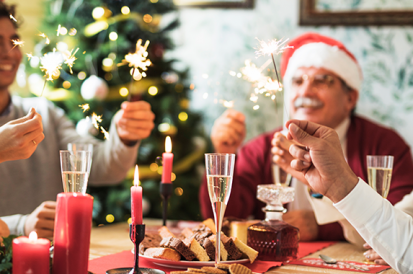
319,96
10,57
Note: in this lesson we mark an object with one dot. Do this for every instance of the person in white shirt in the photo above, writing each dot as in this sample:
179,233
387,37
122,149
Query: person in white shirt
319,158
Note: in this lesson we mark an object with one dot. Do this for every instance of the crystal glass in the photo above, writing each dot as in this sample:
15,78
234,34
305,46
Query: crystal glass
280,177
274,239
74,167
219,170
379,170
85,147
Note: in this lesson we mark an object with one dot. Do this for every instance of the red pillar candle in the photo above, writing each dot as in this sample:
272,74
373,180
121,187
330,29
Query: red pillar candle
73,224
136,199
31,255
167,159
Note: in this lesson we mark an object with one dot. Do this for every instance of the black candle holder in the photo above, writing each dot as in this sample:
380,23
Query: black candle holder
136,234
166,192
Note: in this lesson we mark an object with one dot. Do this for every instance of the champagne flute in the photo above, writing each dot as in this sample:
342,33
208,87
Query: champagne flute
74,166
86,147
280,177
379,170
220,170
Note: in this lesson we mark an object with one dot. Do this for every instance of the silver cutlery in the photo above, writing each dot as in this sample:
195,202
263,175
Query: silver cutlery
329,260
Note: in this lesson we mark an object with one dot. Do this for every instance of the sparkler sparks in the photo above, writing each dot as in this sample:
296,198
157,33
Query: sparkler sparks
96,119
252,73
105,133
272,47
51,64
17,42
84,107
227,104
45,37
138,60
12,18
70,59
29,56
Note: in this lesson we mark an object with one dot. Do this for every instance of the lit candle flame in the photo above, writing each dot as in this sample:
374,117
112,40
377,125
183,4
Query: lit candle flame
84,107
168,144
136,176
33,236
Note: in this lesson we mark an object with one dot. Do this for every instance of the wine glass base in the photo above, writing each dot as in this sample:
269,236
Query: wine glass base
127,270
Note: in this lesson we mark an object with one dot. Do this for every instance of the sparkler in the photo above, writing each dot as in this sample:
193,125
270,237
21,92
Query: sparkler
45,37
105,133
274,46
70,59
17,42
137,60
96,119
84,107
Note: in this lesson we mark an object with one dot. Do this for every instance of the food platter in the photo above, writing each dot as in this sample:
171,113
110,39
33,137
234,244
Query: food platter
185,264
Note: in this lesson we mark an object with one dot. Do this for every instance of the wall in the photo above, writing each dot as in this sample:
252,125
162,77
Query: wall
214,41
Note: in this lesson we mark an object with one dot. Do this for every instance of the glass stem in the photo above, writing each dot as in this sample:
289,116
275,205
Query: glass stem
219,210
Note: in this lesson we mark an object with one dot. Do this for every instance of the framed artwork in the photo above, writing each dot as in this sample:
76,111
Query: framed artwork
356,13
246,4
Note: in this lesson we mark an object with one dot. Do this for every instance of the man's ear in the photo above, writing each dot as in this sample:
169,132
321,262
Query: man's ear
352,98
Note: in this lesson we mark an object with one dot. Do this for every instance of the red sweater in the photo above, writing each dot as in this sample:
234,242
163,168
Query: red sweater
253,167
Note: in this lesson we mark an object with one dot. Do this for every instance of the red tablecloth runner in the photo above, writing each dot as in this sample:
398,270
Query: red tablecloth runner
125,259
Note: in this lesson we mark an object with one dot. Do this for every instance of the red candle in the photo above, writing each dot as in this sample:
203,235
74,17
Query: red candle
73,224
167,159
136,199
31,255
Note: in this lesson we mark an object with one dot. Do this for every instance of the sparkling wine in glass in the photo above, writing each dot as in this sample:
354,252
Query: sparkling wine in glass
379,170
74,167
220,170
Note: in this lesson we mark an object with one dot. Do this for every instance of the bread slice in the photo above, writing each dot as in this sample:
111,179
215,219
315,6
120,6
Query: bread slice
211,225
163,253
248,251
232,249
239,229
224,252
197,249
150,240
178,245
165,233
187,232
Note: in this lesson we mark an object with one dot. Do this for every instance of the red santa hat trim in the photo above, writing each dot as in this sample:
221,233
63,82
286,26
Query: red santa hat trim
315,50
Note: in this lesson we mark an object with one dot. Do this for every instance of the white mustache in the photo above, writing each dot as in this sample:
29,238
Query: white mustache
307,102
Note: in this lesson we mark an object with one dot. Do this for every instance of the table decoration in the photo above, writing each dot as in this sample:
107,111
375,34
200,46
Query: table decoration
31,255
315,262
73,224
166,182
136,199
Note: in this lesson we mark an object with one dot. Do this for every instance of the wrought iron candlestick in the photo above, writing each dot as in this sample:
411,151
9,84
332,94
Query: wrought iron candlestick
136,234
166,192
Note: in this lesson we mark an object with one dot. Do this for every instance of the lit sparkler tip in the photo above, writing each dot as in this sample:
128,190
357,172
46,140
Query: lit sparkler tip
29,56
84,107
17,42
12,18
51,64
96,119
227,104
138,60
272,47
70,59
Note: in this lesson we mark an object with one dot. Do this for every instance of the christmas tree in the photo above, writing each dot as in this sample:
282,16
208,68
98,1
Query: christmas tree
101,33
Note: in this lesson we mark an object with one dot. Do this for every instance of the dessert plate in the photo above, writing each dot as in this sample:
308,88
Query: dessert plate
185,264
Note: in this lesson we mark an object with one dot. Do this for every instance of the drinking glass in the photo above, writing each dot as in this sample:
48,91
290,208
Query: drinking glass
280,177
379,170
219,170
74,166
85,147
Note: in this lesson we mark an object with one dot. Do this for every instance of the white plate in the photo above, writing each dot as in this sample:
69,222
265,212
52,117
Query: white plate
186,264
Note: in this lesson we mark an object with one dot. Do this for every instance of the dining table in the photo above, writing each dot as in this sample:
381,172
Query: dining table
114,238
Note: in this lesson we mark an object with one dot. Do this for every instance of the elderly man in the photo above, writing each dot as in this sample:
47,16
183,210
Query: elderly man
385,228
26,184
322,80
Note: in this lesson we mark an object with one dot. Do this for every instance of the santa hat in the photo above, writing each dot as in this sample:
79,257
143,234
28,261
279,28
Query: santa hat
315,50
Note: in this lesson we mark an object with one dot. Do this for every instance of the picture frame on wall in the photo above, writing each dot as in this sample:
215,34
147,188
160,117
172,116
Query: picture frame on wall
312,15
245,4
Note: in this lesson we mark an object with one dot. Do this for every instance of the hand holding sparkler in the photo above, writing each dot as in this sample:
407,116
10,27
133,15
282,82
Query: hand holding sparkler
134,121
228,131
19,138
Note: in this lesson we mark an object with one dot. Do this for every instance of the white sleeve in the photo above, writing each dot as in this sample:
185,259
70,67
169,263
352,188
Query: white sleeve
386,229
15,223
406,204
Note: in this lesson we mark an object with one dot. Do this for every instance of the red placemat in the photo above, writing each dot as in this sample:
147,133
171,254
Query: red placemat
374,268
125,259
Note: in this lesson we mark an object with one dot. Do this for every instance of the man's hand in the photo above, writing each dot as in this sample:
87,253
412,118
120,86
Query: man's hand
372,255
19,138
282,157
134,121
4,231
327,171
228,131
41,220
305,221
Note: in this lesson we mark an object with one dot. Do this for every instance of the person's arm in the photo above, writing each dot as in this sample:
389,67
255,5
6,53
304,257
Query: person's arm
15,223
386,229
